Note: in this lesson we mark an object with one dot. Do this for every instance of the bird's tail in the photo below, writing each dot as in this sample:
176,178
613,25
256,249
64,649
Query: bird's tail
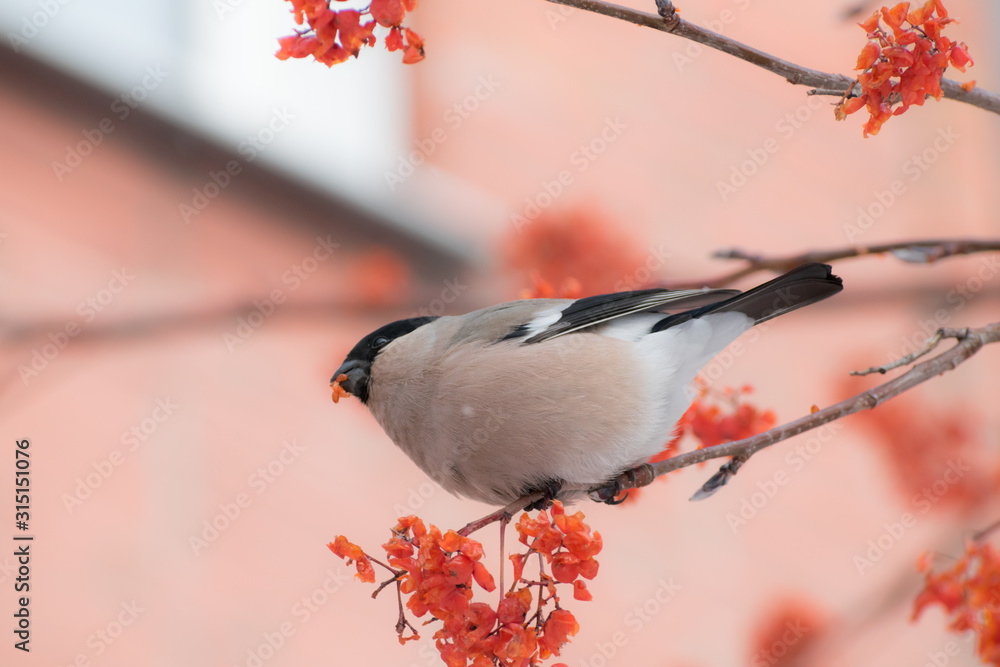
799,287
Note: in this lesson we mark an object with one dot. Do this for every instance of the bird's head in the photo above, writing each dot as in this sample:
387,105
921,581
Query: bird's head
354,375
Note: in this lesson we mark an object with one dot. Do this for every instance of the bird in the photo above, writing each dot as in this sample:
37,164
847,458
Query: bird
540,394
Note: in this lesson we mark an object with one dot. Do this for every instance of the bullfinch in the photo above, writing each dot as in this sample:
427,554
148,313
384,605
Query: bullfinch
528,395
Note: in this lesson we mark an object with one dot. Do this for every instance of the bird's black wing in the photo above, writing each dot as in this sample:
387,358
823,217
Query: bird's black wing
592,310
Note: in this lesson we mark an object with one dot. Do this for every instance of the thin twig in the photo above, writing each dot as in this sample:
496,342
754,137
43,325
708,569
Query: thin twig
502,514
385,583
929,345
541,591
721,478
504,520
825,91
977,536
402,623
671,22
396,574
921,251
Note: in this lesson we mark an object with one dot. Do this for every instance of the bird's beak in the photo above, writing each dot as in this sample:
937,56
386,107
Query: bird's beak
357,376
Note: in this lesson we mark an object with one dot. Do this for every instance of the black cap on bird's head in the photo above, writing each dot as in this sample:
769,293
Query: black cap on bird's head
358,363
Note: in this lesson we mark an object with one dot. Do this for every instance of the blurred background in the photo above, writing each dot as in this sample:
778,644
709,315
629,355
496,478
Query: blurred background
193,234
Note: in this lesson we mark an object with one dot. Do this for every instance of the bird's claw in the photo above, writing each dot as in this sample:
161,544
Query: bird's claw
549,490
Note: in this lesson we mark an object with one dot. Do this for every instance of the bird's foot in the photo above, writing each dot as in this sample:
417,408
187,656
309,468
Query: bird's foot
550,491
608,493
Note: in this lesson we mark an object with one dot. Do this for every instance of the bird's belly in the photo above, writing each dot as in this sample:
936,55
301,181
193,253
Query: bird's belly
507,433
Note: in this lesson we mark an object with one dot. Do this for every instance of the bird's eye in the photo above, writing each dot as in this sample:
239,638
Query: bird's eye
381,341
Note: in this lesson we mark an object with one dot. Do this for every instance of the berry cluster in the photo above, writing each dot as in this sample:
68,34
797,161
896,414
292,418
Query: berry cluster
712,425
903,65
437,570
969,591
335,35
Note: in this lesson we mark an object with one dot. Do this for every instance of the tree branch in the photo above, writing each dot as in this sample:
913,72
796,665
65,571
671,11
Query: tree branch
826,84
970,341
